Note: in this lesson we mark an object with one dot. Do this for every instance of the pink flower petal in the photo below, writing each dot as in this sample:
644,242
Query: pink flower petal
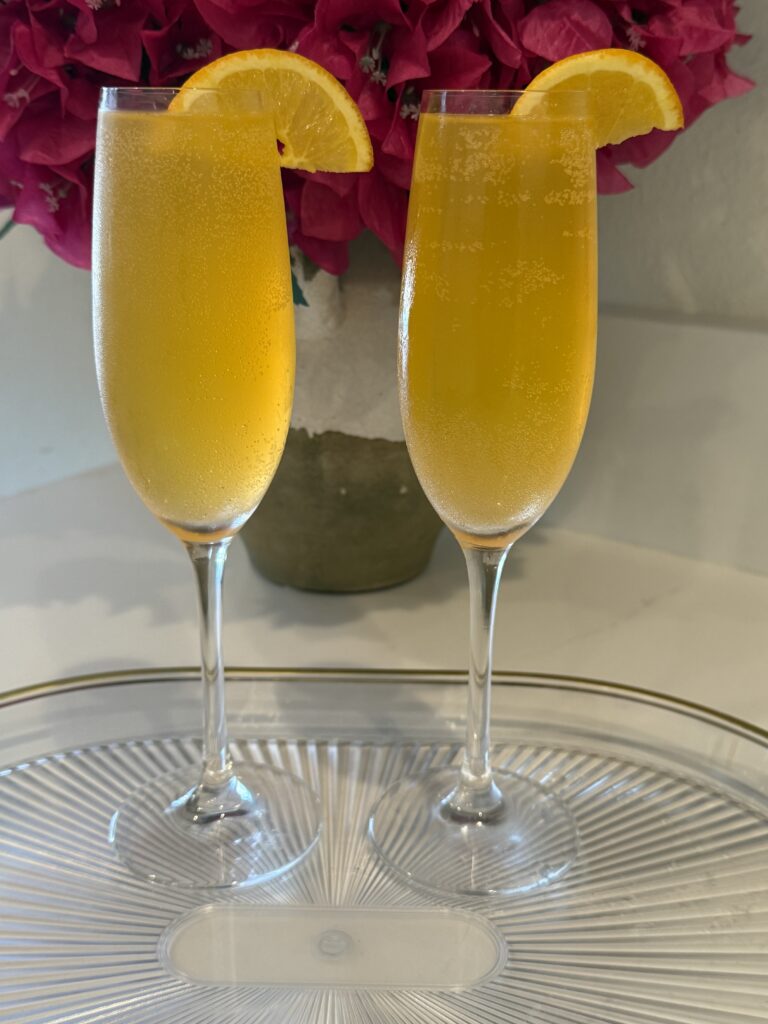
400,140
441,20
59,211
610,180
396,170
503,46
19,94
374,104
12,172
181,47
715,79
408,55
34,48
326,215
384,208
82,97
117,48
342,184
644,149
699,26
563,27
246,25
458,63
45,137
332,14
624,9
330,256
329,50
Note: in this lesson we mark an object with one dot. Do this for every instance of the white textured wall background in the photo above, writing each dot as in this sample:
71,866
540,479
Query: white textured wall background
50,418
692,237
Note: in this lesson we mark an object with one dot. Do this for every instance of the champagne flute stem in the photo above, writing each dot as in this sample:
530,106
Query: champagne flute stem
476,797
208,561
219,793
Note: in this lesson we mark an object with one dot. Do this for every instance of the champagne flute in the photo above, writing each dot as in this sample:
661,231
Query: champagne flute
496,362
193,326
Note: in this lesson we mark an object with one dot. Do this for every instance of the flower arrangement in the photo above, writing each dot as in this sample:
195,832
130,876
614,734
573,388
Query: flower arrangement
56,54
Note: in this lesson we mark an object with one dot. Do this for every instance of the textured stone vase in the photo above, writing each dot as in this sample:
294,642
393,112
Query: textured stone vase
345,511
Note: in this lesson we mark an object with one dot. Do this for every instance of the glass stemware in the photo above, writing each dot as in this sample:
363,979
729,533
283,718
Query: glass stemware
193,326
496,363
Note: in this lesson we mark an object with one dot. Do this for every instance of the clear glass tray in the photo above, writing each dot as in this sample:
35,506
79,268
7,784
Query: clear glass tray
664,917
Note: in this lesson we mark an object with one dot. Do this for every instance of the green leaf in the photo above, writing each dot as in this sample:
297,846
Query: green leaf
10,223
298,294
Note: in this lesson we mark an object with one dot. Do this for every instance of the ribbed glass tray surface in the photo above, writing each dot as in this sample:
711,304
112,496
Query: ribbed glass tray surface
663,918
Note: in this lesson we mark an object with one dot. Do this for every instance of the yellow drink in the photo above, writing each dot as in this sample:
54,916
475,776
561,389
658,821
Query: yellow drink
498,314
193,314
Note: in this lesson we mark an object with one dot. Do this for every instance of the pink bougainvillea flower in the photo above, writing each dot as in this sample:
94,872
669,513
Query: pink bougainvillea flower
338,53
384,208
331,256
326,215
180,47
36,49
20,89
250,24
400,138
459,63
12,171
715,80
46,136
561,28
58,208
332,15
441,20
610,180
55,55
108,39
410,58
500,36
696,26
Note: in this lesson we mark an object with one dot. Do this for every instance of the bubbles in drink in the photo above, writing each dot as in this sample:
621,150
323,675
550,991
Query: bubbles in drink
196,365
498,317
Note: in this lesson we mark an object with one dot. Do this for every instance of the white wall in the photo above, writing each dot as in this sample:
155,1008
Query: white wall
50,420
692,237
674,452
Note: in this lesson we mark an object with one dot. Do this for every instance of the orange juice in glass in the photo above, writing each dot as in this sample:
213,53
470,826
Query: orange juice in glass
499,315
497,354
193,311
193,326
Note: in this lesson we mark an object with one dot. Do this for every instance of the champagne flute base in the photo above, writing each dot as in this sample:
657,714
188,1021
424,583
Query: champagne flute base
276,826
531,842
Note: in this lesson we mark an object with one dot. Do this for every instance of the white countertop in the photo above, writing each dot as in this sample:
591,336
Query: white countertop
91,582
